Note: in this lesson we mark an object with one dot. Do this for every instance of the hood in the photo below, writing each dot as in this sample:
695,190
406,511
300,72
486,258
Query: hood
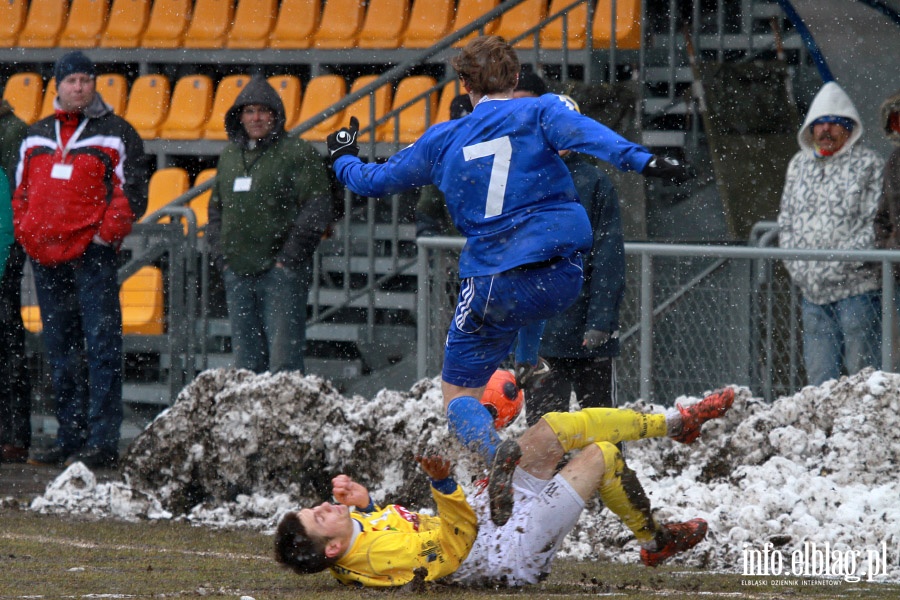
257,91
891,105
834,101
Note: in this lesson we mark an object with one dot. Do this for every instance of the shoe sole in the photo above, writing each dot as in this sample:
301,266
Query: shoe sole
680,545
500,482
694,434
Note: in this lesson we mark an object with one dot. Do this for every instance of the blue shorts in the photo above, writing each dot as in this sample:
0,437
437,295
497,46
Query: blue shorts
492,308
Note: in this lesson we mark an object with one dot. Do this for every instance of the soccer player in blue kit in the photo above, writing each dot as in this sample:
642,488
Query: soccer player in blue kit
510,194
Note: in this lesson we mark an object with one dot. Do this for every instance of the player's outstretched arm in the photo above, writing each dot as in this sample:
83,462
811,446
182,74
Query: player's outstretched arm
350,493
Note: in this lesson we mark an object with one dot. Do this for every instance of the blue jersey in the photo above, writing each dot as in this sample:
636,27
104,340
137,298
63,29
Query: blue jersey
506,188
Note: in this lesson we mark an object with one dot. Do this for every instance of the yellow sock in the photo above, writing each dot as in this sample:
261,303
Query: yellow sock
576,430
622,493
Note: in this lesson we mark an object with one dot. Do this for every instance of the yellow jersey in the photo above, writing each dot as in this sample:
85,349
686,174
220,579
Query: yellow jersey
394,542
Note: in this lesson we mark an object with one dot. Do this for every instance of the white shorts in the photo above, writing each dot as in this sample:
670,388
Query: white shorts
520,552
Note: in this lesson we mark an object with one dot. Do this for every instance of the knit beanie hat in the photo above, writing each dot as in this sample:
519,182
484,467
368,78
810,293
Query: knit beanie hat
845,122
73,62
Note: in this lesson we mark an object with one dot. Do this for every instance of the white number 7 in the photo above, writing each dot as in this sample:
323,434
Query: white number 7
501,150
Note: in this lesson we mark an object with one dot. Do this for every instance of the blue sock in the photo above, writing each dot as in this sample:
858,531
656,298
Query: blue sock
473,425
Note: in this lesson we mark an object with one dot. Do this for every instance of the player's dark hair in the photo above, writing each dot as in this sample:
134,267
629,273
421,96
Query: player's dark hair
488,65
297,550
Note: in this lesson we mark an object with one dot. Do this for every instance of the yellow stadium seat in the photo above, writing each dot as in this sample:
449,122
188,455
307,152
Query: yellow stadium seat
12,19
552,34
449,92
628,24
200,204
165,185
209,25
143,304
341,21
413,121
469,10
47,107
114,90
297,22
127,21
87,19
148,104
290,90
31,318
226,93
322,92
167,25
43,24
189,108
384,24
520,19
362,109
253,21
25,91
142,301
429,21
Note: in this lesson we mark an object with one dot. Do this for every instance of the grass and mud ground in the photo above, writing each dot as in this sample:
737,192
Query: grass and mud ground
76,557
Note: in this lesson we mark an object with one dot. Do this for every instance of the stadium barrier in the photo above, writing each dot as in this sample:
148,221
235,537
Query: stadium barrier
694,318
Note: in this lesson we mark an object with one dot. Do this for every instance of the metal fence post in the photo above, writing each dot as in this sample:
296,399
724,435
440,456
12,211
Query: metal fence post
646,384
422,312
887,315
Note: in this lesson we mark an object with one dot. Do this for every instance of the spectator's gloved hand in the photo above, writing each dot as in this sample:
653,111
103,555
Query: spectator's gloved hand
343,141
670,170
594,338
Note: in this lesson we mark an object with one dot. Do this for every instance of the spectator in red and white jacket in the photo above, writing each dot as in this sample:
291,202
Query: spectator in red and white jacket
80,184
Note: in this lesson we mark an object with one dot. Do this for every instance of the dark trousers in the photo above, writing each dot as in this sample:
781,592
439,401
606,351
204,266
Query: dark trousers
15,385
82,317
592,379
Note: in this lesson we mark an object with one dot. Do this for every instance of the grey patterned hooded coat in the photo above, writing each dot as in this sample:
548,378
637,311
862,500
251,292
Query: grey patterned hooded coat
829,203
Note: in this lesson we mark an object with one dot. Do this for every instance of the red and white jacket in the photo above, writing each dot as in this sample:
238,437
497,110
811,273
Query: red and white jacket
98,186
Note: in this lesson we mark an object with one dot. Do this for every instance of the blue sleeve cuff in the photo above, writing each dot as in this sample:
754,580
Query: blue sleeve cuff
445,486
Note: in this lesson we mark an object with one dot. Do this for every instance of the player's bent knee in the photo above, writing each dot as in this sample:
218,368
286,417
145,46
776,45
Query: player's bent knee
611,456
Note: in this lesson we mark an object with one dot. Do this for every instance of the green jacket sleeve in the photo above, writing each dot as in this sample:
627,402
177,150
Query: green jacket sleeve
6,222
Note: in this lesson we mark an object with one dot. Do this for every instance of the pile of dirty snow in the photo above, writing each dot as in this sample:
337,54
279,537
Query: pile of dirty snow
238,449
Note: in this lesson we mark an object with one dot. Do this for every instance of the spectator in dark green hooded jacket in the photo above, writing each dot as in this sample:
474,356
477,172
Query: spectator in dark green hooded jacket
270,205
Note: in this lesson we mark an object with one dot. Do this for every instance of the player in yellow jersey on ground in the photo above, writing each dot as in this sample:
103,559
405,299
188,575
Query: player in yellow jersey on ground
540,505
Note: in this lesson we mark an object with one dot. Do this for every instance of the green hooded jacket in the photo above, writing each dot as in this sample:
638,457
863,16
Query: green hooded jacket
280,214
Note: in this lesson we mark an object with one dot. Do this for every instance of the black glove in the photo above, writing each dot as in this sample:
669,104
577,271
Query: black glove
343,141
594,338
670,170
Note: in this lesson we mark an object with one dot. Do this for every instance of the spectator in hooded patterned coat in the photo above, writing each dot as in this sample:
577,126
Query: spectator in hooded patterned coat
829,201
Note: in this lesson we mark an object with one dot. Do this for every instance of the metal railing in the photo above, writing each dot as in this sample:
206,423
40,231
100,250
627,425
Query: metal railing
694,317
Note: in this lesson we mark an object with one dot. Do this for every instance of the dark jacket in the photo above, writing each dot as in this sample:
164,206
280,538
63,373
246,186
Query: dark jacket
12,132
887,219
288,206
56,219
597,306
